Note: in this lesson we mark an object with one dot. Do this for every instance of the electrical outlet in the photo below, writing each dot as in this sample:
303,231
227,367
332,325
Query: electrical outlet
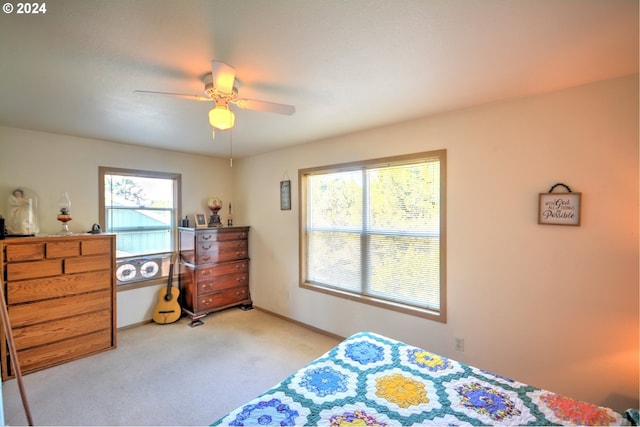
460,344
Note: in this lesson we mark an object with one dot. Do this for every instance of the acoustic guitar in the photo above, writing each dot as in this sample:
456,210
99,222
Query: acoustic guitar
167,310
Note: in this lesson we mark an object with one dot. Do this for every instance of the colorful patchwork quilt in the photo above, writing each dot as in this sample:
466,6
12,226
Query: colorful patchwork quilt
370,380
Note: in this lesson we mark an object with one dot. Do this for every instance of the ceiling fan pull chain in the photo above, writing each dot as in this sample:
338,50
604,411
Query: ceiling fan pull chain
231,148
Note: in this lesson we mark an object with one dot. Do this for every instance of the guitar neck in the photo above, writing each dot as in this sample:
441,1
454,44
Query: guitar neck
170,279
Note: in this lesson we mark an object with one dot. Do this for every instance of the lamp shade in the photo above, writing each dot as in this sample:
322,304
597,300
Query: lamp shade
221,117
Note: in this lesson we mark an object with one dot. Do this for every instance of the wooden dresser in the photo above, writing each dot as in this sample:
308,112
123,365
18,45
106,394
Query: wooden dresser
61,298
214,270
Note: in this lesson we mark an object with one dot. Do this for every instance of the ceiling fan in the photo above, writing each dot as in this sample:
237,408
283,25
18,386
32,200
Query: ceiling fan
220,88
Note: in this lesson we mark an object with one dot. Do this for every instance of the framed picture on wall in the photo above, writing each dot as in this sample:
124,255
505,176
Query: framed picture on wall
201,220
559,208
285,195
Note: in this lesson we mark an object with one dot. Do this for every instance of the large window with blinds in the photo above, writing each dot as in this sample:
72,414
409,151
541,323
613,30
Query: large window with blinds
374,231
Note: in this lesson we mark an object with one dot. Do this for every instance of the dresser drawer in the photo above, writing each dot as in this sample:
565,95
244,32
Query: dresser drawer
223,298
23,291
223,282
26,252
74,348
63,249
95,247
222,257
58,330
43,311
33,269
221,235
87,263
209,248
222,269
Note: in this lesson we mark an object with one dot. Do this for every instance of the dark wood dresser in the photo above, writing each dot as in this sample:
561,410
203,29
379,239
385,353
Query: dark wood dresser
214,270
61,298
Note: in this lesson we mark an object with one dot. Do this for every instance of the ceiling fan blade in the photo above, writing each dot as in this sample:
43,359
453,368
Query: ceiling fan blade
174,95
271,107
223,76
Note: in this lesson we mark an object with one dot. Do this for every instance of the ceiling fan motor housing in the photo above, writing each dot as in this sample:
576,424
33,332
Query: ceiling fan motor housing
213,93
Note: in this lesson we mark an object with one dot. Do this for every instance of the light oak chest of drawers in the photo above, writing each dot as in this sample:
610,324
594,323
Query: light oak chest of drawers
214,269
61,298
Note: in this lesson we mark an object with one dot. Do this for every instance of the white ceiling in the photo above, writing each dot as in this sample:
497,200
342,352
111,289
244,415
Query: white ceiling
345,65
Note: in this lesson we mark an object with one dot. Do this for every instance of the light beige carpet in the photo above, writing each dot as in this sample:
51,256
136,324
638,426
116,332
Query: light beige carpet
170,374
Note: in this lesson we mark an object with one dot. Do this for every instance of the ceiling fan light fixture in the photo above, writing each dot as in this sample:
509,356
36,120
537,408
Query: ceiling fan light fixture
221,117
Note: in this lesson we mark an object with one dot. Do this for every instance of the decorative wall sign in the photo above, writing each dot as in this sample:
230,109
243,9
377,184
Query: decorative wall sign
285,195
559,208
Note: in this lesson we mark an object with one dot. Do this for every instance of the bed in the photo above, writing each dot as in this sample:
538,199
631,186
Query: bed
369,379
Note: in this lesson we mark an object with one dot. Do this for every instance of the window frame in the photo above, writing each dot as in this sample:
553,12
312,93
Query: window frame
177,197
436,315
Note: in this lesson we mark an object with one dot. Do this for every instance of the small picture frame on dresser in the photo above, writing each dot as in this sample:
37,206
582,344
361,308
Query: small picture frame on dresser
201,220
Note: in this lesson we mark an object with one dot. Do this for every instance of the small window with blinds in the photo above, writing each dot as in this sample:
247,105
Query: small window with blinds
141,208
374,231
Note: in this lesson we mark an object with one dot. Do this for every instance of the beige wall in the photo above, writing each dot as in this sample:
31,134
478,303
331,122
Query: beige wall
50,163
554,306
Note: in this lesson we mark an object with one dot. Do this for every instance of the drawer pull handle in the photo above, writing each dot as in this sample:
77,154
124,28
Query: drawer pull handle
206,248
206,301
206,272
240,266
241,279
207,236
238,293
207,286
206,258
